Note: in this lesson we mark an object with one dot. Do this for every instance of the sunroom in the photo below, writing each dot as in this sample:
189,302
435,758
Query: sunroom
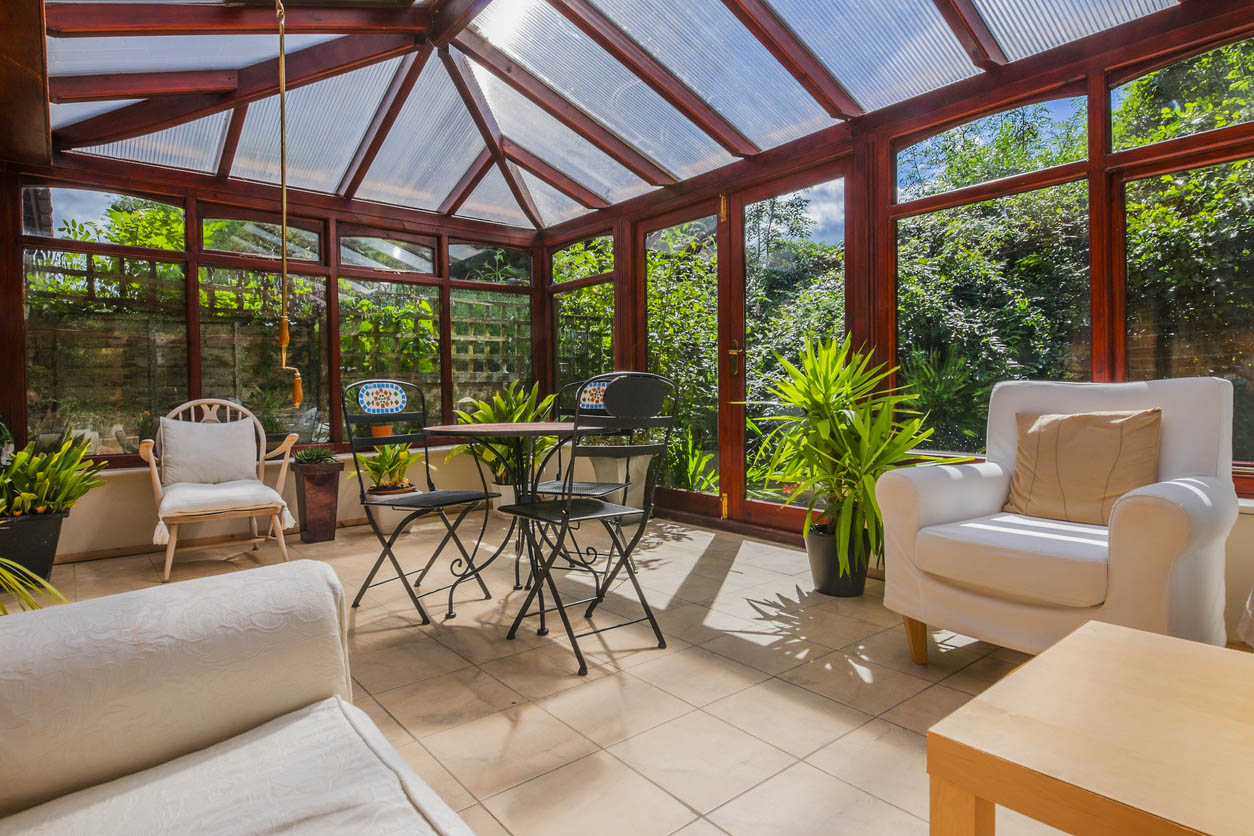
627,416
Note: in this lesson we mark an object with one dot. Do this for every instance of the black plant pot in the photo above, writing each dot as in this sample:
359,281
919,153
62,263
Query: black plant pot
31,540
825,567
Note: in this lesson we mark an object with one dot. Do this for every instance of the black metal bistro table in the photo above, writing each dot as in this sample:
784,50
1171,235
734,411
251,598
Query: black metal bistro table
522,438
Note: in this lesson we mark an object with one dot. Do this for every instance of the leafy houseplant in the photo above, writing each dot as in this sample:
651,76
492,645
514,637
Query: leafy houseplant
388,467
23,586
843,429
514,404
317,492
37,491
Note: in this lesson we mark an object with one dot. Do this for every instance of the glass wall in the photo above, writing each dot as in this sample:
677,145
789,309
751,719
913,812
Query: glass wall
583,333
584,259
491,342
259,238
485,263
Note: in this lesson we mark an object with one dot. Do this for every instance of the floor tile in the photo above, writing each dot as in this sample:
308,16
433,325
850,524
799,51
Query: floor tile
627,646
598,795
616,707
890,649
701,760
436,775
698,676
769,652
883,760
977,676
865,686
395,733
377,627
821,625
927,708
700,827
545,670
788,716
502,750
481,822
804,801
695,623
403,663
434,705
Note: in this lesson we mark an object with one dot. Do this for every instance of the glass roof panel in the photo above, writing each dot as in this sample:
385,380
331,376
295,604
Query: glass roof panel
882,52
1026,27
325,123
544,136
429,148
552,48
71,112
554,206
167,53
714,54
196,145
493,201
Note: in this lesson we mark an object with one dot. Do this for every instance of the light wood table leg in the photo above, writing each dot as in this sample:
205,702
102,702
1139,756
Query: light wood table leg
958,812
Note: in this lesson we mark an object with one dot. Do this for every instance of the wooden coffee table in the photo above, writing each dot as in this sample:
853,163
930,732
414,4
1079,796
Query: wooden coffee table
1110,731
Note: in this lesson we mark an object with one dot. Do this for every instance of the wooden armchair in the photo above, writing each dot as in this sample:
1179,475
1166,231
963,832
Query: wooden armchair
208,464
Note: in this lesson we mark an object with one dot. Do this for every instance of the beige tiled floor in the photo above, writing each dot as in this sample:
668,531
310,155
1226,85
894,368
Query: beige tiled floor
772,711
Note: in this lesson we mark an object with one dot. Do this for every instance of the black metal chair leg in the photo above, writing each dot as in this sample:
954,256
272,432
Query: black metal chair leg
387,547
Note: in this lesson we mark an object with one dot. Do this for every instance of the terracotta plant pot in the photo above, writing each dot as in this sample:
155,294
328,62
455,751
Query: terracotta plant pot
380,430
825,567
317,499
31,540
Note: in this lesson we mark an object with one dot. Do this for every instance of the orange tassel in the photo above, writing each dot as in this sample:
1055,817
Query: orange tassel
298,393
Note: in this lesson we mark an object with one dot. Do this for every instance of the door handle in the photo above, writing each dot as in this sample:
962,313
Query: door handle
734,354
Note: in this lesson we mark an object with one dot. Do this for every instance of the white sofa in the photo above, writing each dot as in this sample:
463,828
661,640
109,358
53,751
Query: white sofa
955,560
213,706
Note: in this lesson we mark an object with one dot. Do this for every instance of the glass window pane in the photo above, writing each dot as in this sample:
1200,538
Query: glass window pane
1026,27
593,257
493,201
715,55
1014,141
882,52
1190,297
106,347
583,332
681,264
239,350
431,145
167,53
1207,91
532,33
70,112
554,206
105,217
195,145
392,330
375,252
794,294
488,263
325,124
992,291
491,342
259,238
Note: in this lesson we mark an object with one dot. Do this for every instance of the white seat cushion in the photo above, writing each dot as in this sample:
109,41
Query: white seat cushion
324,769
1019,558
189,499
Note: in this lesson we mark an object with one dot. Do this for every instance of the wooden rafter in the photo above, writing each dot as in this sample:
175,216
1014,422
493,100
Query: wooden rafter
563,110
972,31
652,72
477,104
384,118
564,183
231,143
77,20
23,83
105,86
256,81
477,171
452,17
774,34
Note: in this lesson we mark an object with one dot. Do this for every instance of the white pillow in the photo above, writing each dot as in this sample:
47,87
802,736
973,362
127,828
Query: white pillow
207,454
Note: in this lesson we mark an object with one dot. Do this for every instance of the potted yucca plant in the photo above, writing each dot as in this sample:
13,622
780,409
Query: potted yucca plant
514,404
842,428
317,492
387,468
37,491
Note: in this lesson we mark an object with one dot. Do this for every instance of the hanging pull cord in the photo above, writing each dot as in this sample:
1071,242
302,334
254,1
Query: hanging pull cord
285,337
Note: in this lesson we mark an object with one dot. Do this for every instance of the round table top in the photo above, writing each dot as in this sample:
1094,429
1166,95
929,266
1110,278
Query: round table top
525,429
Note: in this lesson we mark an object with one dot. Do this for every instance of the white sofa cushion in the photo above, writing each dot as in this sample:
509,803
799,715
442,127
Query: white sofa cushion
323,769
188,499
1018,558
208,452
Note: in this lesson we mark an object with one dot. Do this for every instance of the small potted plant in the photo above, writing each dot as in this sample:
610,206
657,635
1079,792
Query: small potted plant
387,468
317,492
514,404
25,587
843,428
37,491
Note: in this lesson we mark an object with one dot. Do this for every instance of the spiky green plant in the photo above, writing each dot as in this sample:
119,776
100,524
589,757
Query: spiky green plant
25,587
320,454
47,483
515,404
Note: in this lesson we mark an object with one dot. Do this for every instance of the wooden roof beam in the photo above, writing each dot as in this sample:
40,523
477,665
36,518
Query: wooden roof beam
256,81
384,118
477,171
83,20
563,110
452,17
774,34
103,87
564,183
472,96
652,72
231,143
972,31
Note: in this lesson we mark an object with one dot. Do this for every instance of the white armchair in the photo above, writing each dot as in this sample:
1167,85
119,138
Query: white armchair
955,560
213,469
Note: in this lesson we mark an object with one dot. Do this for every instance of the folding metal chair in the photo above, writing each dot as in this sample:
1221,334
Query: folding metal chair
397,411
620,402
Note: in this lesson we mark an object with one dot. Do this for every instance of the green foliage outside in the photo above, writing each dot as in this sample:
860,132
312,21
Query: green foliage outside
499,265
516,403
593,257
